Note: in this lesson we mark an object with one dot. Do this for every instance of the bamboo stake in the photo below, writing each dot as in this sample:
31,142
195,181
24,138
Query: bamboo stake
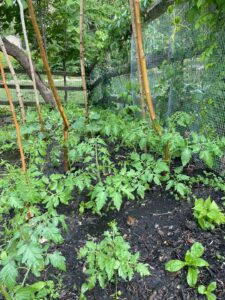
12,71
144,66
14,118
50,79
31,65
82,64
138,59
144,72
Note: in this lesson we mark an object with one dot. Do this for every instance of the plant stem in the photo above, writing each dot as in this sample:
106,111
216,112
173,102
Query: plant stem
25,277
5,293
97,163
50,80
17,126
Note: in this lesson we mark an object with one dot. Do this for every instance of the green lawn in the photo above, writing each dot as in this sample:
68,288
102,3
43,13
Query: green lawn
76,96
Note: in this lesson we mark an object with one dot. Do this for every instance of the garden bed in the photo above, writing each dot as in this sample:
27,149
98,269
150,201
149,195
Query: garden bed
161,228
158,226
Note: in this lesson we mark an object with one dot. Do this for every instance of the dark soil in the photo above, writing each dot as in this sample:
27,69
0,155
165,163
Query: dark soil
161,228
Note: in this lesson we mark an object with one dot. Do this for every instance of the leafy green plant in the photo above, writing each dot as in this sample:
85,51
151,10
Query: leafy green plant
208,290
110,260
179,184
210,179
193,262
32,228
208,213
40,290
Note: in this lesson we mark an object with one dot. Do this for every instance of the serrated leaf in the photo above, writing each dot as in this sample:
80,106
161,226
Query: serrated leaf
180,188
57,260
31,255
9,274
101,200
52,233
207,157
186,156
25,293
117,200
142,269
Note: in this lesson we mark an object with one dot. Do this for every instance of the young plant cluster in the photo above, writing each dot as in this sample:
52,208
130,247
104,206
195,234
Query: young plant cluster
113,158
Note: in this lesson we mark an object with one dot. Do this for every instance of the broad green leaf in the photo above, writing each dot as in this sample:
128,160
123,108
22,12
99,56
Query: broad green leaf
199,262
192,276
197,249
201,289
212,286
211,297
174,265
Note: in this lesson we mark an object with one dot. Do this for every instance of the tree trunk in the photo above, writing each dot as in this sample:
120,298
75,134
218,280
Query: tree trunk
23,60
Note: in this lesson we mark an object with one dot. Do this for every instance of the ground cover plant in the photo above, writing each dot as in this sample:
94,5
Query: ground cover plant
123,197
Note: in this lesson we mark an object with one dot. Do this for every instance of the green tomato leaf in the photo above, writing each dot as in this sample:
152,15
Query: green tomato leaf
186,156
142,269
117,200
57,260
9,274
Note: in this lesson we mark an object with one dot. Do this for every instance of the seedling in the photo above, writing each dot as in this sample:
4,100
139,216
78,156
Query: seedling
207,291
208,213
193,262
110,260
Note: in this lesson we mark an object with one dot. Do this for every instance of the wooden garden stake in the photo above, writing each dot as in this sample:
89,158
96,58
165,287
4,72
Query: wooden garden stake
31,65
143,65
144,72
14,118
82,64
12,71
50,79
138,59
